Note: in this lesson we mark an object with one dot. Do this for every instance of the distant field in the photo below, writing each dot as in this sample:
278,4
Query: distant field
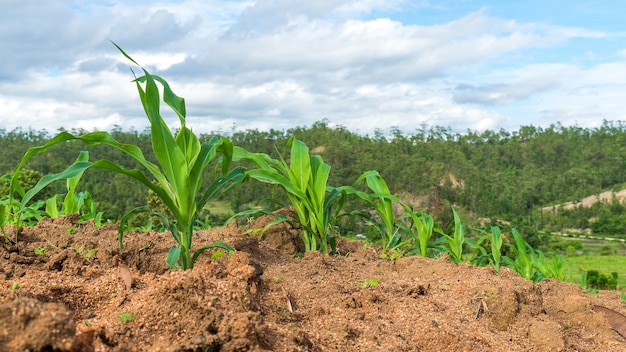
596,254
604,264
596,246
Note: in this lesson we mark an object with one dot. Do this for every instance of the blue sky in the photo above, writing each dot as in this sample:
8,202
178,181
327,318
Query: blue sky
365,65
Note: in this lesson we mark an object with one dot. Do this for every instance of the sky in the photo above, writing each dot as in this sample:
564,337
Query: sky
370,65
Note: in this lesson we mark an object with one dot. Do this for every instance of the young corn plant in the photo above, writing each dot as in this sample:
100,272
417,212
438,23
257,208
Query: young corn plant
455,242
178,177
424,227
74,202
304,179
494,256
525,258
9,206
381,200
551,268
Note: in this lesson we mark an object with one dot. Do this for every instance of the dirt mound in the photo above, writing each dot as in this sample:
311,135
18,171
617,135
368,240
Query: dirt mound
264,299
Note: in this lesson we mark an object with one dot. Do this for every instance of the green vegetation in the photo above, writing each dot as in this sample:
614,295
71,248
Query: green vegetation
127,317
189,184
304,179
422,233
384,220
456,242
369,283
597,280
602,264
73,203
481,256
508,176
177,180
41,250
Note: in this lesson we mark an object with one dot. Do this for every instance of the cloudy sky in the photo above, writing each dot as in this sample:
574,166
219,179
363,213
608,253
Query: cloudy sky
365,65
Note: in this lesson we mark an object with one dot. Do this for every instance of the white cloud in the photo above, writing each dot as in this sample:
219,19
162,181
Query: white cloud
276,64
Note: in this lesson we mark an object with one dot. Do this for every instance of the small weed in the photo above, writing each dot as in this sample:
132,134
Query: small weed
41,250
90,253
283,311
15,285
276,279
127,317
369,283
87,323
71,230
217,254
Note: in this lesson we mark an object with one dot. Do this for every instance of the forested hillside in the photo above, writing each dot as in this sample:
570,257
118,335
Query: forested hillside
503,175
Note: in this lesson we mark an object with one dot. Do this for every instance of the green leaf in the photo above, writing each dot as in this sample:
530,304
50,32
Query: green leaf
52,208
3,220
221,245
71,171
300,165
173,257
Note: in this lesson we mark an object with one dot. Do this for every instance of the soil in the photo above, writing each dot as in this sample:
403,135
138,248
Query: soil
262,298
589,201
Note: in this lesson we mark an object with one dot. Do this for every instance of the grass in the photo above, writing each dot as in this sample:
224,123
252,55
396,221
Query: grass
603,264
595,246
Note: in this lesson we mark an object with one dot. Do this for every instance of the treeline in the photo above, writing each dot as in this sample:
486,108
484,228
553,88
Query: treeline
504,176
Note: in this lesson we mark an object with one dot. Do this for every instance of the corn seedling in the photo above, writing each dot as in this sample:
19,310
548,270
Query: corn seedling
387,224
74,202
177,179
454,244
523,262
421,230
551,268
482,257
10,214
304,179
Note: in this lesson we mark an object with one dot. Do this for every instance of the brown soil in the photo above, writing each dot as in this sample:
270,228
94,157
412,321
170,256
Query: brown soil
263,299
588,201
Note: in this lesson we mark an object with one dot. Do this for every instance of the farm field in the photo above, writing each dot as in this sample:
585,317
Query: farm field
595,254
278,281
262,298
604,264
